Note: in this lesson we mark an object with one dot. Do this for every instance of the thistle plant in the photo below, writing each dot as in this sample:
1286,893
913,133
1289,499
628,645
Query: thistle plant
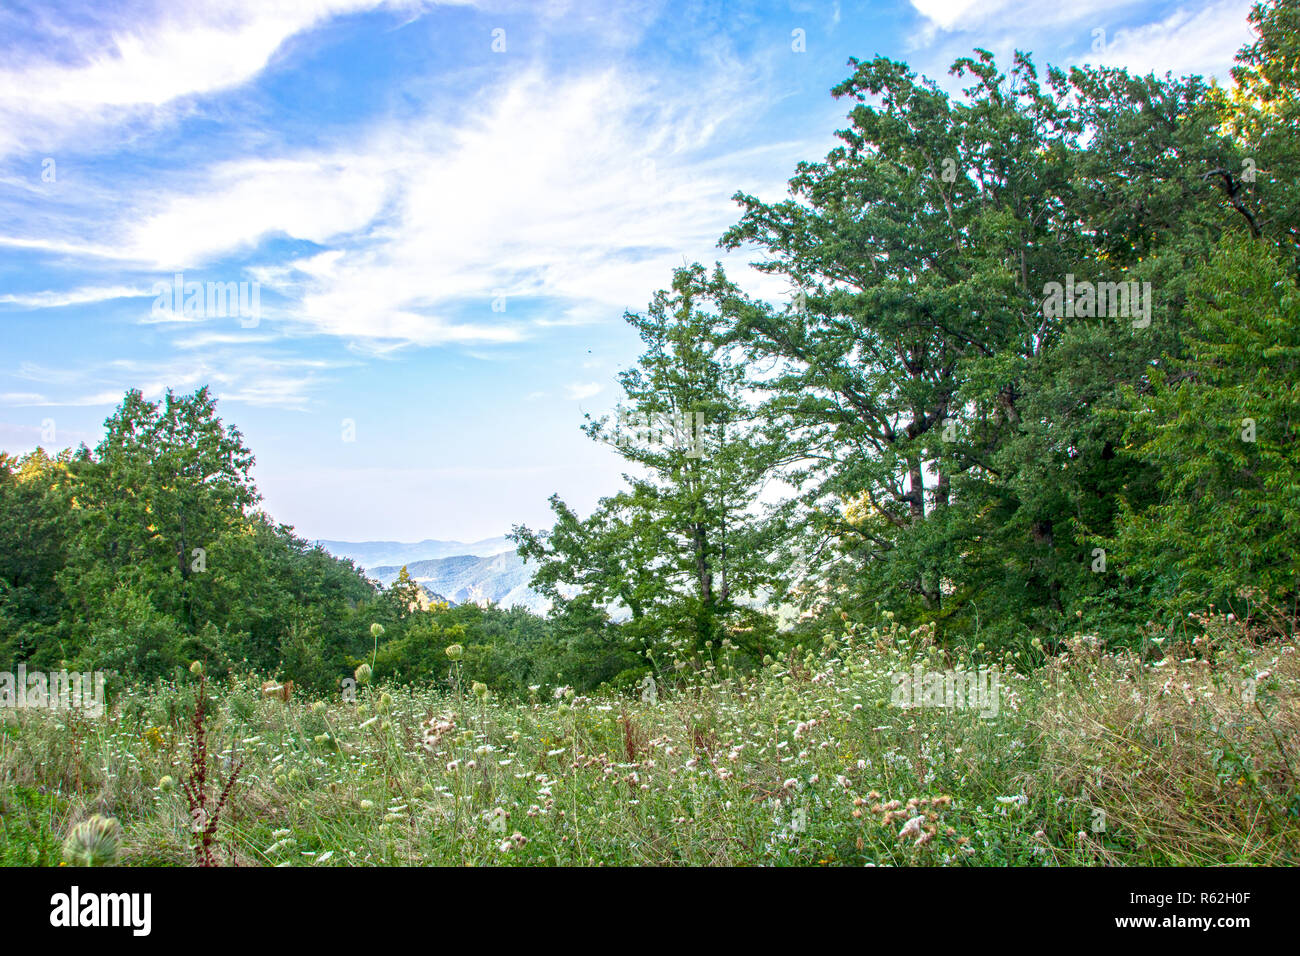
205,811
376,631
93,842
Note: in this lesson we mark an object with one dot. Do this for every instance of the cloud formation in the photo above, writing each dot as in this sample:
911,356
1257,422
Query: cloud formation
118,72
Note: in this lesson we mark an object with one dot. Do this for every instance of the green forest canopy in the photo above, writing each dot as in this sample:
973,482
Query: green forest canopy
1037,373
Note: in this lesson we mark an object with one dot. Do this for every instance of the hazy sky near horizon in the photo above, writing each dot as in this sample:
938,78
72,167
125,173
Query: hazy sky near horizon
446,209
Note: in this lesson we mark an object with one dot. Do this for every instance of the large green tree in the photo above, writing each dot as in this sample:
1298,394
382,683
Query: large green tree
958,431
33,542
684,547
917,252
148,552
1223,427
168,484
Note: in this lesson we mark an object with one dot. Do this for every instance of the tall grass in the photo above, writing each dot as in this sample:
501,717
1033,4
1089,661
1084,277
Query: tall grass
1183,753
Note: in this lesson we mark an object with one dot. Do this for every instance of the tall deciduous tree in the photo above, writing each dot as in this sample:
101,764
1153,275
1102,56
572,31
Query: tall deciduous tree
168,483
33,544
958,445
917,248
684,545
1222,426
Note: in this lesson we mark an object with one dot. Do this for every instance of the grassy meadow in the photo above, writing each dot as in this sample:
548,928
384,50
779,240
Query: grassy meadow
1182,753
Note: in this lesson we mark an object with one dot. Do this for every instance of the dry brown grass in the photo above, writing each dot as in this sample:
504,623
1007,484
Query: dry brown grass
1191,755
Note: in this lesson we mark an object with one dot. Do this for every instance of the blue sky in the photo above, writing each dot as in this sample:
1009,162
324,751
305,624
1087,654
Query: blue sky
444,236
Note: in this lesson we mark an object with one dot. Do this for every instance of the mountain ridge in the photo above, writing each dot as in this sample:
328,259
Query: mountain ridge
500,579
374,554
483,572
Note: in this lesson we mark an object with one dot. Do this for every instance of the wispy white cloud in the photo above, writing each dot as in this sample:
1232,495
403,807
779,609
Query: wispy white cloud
230,208
79,296
256,378
554,198
581,193
79,250
133,69
1197,36
1026,15
577,391
1191,39
33,399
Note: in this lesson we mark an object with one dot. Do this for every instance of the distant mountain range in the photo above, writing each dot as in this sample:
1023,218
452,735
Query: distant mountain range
470,579
375,554
481,572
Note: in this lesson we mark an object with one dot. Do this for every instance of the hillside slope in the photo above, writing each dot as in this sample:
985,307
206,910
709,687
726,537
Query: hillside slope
471,579
375,554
